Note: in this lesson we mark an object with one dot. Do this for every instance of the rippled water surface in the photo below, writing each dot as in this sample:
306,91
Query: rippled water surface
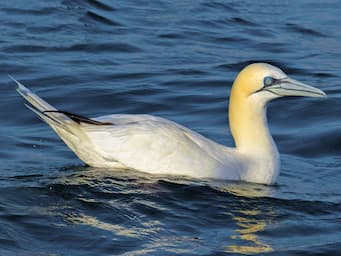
175,59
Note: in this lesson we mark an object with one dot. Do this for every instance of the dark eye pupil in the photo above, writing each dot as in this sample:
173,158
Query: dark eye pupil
268,81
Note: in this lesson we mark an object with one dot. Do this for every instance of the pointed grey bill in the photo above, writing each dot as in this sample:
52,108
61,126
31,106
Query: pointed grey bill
291,87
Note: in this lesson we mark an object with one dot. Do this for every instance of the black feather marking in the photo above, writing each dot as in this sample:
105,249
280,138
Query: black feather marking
77,118
37,111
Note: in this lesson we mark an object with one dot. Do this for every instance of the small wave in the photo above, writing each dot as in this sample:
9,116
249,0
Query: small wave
220,6
302,30
93,16
100,5
27,11
82,47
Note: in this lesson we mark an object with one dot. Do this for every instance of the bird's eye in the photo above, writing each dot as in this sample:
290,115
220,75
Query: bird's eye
268,80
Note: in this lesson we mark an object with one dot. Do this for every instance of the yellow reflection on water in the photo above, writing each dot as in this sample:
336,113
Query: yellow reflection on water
250,221
94,222
248,233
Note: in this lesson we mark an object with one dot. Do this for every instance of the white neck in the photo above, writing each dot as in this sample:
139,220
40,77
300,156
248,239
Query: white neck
248,124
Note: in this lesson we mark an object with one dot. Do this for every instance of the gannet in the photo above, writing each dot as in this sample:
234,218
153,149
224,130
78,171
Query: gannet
156,145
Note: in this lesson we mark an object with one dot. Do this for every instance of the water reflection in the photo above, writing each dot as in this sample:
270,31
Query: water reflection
248,208
250,218
250,224
93,189
83,219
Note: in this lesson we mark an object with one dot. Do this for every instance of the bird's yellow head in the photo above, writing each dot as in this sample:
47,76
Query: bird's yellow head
269,82
254,86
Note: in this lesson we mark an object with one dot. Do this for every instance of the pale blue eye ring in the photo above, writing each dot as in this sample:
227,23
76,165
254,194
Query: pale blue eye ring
268,80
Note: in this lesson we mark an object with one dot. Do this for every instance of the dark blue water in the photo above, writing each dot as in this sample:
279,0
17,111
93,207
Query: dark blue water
175,59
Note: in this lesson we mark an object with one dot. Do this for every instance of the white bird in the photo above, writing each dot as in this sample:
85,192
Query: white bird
155,145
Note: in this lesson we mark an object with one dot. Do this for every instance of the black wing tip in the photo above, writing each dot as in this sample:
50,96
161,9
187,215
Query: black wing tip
78,118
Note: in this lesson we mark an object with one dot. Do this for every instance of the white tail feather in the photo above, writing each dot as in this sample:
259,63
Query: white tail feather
69,130
32,98
40,105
